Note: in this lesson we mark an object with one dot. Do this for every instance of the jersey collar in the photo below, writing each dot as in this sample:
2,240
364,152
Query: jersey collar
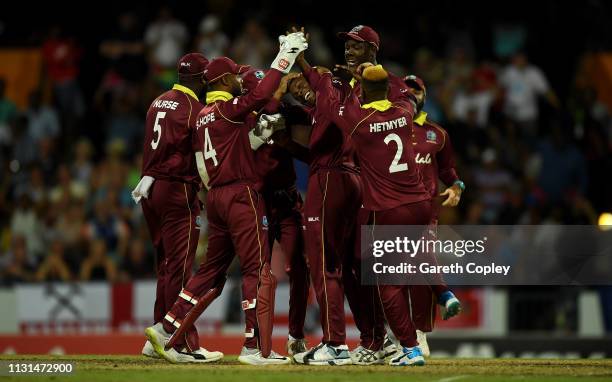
185,90
382,105
353,82
420,118
218,95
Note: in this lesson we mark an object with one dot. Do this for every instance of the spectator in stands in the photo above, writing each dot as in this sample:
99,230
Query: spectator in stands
34,186
19,266
562,166
492,182
54,267
70,225
24,150
124,50
66,186
82,167
43,121
27,223
62,56
253,46
477,97
105,225
8,112
124,124
211,41
523,84
98,266
165,39
137,263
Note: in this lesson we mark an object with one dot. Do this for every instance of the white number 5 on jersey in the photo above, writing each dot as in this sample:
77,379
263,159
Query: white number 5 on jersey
157,129
396,166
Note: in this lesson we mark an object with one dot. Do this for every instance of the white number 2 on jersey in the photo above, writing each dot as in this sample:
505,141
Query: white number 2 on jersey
396,166
209,151
157,129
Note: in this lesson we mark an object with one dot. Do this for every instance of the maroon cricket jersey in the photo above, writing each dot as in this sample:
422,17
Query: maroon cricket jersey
168,143
397,88
275,167
382,135
433,154
222,133
329,146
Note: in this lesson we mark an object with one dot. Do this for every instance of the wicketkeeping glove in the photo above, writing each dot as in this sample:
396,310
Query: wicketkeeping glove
266,126
290,46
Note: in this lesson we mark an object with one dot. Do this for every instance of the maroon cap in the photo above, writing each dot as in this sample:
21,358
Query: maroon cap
221,66
251,79
192,64
362,33
415,82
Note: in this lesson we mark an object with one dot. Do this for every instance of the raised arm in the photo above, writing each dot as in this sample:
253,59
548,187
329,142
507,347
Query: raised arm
290,46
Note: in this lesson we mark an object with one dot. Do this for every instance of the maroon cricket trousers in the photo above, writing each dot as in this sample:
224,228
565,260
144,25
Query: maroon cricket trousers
285,209
424,298
237,226
171,212
394,298
363,299
330,212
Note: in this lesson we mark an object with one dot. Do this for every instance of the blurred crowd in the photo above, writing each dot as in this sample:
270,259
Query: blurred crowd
70,159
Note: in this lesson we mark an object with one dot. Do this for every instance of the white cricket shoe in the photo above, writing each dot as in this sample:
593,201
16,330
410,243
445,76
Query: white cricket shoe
423,345
149,351
325,355
200,356
364,357
390,349
254,357
296,345
408,357
158,338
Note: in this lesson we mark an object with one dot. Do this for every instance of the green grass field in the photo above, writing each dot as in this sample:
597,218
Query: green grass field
134,368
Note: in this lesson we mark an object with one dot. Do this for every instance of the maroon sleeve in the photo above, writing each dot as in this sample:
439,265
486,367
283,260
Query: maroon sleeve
296,150
446,162
312,76
235,109
330,105
272,106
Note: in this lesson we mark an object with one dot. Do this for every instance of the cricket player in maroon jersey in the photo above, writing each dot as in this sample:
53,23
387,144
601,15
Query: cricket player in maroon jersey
393,192
274,165
168,193
333,198
361,44
235,210
435,159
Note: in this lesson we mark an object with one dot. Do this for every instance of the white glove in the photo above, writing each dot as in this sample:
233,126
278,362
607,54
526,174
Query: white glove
142,188
290,46
267,125
254,140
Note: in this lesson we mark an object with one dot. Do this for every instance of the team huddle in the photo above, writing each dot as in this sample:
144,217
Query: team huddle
374,159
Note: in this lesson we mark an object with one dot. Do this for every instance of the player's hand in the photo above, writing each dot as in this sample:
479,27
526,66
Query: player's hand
359,71
300,59
342,72
290,47
268,124
283,86
453,195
